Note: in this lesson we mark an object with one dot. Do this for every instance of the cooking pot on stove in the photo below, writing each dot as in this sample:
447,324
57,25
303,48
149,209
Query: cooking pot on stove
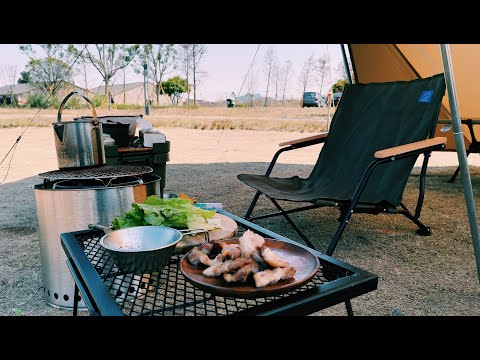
79,143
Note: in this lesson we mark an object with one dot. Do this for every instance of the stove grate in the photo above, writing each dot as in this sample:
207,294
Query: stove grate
101,172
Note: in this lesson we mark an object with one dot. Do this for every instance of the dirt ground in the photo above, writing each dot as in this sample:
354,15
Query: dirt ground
418,276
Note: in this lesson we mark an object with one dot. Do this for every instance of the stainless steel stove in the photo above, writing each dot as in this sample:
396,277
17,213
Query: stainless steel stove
71,199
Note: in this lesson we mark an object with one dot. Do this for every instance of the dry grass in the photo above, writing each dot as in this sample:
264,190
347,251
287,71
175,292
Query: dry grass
201,118
418,276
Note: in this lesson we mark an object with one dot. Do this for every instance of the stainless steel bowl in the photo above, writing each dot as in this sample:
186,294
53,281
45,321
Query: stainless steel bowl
141,249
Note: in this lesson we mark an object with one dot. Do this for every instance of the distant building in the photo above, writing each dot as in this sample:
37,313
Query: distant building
16,94
67,88
131,94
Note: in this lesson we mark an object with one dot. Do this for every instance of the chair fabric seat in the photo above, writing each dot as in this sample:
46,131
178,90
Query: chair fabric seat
290,189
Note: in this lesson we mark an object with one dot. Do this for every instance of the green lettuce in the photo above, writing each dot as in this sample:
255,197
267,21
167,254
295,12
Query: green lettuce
173,212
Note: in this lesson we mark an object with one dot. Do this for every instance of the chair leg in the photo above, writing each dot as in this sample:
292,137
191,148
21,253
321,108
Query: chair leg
252,205
423,229
454,176
294,226
474,147
344,217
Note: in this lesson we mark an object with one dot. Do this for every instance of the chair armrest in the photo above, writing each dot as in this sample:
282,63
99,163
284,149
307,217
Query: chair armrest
316,139
415,146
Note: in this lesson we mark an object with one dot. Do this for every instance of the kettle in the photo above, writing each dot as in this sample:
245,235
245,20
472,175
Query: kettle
79,143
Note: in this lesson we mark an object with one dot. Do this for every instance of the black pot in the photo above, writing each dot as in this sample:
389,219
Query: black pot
119,132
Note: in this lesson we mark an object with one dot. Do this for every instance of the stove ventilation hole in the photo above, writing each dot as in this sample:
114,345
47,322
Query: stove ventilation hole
131,289
142,285
65,297
55,296
48,292
119,293
78,298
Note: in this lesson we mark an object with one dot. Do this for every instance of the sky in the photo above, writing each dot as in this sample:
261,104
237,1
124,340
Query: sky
224,65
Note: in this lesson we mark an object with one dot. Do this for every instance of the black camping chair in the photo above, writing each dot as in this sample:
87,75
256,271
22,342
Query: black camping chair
376,135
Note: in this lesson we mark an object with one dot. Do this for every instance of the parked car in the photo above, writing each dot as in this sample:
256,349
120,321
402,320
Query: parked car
312,98
336,98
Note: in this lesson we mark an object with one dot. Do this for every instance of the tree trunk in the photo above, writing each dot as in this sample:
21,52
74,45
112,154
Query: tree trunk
124,89
321,83
85,75
194,88
276,90
194,70
107,93
266,92
284,88
303,93
157,92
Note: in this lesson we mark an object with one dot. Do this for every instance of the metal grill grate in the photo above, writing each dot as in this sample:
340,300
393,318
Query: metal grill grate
169,294
101,172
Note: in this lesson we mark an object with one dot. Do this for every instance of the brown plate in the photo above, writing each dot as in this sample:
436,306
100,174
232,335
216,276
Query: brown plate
301,259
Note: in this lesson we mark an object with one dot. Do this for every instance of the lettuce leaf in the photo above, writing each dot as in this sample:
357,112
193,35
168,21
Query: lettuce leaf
174,212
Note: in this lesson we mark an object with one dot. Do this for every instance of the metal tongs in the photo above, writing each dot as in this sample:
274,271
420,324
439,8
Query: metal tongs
196,232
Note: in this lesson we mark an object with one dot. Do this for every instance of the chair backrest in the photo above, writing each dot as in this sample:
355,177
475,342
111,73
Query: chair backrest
372,117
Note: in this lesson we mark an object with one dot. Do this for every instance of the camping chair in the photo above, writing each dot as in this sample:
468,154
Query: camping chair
376,135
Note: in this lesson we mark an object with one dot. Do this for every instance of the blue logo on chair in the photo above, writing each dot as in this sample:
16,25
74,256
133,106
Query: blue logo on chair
426,96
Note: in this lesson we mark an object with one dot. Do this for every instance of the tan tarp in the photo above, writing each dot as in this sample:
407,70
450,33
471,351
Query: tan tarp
391,62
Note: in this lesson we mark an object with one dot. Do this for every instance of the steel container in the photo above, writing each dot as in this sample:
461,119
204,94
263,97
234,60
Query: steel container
62,210
78,143
141,249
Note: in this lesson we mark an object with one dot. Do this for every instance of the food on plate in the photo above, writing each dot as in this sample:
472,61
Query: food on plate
250,258
173,212
271,258
230,251
241,275
226,266
269,277
198,256
250,242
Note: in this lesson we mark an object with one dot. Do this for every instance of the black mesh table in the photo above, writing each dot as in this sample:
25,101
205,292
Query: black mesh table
108,292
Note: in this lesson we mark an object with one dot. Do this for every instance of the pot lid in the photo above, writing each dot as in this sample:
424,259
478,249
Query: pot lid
99,172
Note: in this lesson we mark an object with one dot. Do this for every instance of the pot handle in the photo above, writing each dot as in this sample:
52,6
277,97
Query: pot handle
105,229
60,109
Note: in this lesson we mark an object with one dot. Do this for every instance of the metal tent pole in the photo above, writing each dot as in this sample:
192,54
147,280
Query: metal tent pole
460,147
345,63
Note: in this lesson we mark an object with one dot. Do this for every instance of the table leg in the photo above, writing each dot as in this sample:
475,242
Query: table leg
348,305
76,295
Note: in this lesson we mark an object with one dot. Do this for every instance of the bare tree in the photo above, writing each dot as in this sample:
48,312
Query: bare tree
83,67
268,63
322,69
341,72
285,73
251,85
197,53
276,75
307,75
8,75
108,59
48,65
184,61
160,60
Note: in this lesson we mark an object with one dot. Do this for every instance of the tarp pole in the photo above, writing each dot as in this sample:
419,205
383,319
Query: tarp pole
460,147
345,64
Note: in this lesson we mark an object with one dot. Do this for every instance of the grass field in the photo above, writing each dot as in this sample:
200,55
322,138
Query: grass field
202,118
